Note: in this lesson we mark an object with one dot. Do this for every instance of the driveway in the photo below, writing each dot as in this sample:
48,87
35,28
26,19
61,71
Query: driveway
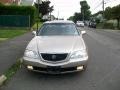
11,50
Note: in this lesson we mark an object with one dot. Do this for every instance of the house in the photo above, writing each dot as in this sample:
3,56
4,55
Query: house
48,17
28,2
17,2
10,2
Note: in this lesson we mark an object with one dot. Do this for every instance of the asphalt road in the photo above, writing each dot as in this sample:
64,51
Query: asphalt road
103,72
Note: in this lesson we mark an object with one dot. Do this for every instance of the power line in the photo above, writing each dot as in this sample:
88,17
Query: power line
102,3
98,5
109,1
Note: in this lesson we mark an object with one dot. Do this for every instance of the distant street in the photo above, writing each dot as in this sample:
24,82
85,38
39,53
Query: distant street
103,72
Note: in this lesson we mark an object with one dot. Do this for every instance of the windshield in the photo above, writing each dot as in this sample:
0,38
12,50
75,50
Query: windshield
58,29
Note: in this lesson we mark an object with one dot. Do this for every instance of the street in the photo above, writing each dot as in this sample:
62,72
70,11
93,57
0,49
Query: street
103,72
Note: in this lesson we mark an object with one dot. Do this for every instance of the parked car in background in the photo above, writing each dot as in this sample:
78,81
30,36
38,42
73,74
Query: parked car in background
92,24
58,47
80,24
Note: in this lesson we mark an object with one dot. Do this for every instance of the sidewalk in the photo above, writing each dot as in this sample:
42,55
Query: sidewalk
13,49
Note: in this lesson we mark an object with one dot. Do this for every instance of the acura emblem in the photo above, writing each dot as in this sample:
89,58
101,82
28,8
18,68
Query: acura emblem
53,56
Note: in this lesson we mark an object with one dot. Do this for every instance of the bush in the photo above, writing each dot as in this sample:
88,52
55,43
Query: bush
106,25
19,10
99,25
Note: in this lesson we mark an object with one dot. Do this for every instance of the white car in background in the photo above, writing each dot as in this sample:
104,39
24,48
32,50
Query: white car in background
80,24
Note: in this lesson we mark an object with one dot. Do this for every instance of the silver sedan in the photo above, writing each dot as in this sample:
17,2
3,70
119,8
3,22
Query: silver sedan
58,47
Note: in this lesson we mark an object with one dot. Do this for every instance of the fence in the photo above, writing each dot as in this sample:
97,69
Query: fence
14,21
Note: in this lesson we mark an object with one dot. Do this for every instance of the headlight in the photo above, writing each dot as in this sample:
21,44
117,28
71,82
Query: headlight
31,54
79,54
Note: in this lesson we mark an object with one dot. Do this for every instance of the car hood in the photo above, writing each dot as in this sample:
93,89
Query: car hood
56,44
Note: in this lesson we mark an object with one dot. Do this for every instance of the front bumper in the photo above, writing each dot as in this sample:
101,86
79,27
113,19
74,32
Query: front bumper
54,68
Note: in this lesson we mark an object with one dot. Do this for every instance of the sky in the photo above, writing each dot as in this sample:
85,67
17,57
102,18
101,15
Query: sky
67,8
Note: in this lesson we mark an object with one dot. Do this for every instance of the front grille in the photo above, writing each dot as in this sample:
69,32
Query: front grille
54,57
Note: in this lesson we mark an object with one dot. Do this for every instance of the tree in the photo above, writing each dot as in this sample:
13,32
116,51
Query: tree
107,13
70,18
115,14
44,8
96,14
86,13
1,4
76,17
97,17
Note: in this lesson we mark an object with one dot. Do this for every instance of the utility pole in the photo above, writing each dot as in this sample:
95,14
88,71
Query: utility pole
58,15
38,2
103,6
50,16
38,16
83,16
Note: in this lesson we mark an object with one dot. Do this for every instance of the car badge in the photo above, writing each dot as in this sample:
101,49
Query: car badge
53,56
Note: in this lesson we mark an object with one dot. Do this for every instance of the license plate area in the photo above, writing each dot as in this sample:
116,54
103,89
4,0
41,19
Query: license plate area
55,69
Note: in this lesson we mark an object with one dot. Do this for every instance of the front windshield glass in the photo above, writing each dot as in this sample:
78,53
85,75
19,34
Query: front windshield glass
58,29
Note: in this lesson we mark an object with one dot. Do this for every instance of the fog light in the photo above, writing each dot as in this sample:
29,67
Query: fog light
30,67
80,68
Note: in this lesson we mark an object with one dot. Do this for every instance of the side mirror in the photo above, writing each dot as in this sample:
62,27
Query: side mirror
83,32
34,33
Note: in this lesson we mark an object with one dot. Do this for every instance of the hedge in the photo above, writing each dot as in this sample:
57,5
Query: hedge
19,10
106,25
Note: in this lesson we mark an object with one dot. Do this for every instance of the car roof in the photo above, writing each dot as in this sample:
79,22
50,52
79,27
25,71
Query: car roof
59,21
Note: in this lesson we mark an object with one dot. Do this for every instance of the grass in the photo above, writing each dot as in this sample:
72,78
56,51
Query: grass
12,70
11,33
7,33
3,39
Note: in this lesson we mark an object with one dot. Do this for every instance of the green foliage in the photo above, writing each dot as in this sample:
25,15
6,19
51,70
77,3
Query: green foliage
96,14
6,33
19,10
12,70
71,18
107,13
45,7
106,25
1,4
85,13
113,13
84,5
97,20
35,25
76,17
85,10
110,14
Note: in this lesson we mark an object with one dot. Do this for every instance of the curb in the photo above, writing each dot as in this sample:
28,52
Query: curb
3,78
10,72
